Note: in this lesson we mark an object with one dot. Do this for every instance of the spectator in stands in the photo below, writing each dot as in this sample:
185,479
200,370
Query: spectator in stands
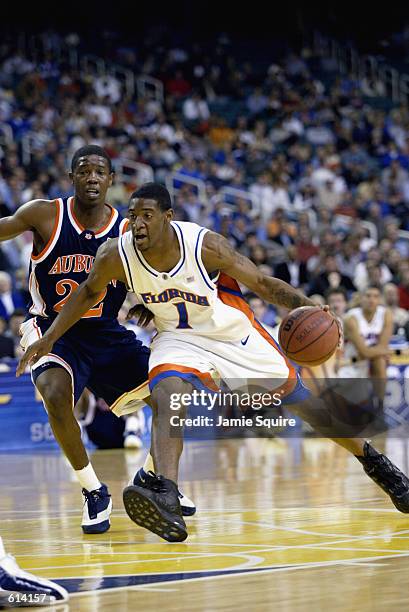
306,249
327,196
330,278
337,301
221,135
108,87
394,176
280,230
257,102
329,171
404,289
393,259
21,284
263,190
361,276
15,321
195,110
349,257
391,299
292,271
6,343
391,229
9,299
263,312
258,254
178,86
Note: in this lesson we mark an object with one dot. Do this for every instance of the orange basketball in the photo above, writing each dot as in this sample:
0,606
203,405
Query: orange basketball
309,335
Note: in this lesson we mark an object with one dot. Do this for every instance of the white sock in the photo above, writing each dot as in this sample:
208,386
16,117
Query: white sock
2,551
148,465
87,478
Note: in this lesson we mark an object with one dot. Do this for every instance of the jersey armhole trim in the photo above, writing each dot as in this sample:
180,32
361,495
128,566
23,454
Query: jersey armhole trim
123,226
198,257
125,263
54,235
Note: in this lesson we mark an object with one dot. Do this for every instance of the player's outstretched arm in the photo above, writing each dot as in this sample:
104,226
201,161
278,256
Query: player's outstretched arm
27,217
107,266
218,254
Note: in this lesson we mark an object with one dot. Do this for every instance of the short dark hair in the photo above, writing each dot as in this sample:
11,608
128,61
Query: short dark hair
154,191
336,291
90,150
373,286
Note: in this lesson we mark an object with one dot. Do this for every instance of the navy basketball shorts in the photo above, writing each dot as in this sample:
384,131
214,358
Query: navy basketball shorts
108,359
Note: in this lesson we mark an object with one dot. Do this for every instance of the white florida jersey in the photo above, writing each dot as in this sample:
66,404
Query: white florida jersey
369,330
186,299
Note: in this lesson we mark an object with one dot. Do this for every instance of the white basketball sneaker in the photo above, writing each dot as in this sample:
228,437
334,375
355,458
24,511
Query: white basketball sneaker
97,510
19,588
132,433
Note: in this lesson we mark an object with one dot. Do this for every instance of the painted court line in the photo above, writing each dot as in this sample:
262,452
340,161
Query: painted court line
295,567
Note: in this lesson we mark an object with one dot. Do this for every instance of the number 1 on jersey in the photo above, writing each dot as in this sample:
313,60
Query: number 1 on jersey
183,316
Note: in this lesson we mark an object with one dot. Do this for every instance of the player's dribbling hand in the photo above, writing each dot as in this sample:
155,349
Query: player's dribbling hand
33,353
141,314
338,321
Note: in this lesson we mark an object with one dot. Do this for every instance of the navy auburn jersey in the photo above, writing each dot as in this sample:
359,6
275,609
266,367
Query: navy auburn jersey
65,263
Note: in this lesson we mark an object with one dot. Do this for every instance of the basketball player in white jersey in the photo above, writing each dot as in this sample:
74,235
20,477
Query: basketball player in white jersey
187,277
368,330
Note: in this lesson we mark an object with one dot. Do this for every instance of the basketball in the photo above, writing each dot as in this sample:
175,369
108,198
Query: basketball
309,335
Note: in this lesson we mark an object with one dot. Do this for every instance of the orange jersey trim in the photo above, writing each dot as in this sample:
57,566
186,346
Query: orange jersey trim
205,377
238,302
125,227
53,233
82,228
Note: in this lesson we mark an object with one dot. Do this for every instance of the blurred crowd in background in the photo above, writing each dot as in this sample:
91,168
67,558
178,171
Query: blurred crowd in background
321,160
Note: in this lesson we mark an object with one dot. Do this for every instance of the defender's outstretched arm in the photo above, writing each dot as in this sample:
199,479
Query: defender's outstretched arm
107,266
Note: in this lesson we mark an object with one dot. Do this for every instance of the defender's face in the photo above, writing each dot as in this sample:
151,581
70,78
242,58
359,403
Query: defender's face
91,179
148,222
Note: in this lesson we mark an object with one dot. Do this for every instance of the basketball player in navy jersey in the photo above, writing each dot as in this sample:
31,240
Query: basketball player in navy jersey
97,352
187,277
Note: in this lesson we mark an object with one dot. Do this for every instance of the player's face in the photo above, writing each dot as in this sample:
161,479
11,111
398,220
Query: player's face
91,179
148,223
371,300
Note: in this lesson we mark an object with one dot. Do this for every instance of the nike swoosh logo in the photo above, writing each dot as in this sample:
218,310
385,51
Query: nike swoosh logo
244,342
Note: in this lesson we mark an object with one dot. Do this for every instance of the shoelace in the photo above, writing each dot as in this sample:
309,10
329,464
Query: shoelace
158,485
92,498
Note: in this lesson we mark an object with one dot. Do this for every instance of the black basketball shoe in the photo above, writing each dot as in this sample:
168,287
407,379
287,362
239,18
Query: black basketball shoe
187,507
387,476
155,505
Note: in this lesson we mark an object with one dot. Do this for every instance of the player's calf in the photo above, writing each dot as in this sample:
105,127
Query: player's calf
387,476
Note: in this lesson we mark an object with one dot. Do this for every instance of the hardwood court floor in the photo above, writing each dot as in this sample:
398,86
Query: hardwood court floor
289,525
